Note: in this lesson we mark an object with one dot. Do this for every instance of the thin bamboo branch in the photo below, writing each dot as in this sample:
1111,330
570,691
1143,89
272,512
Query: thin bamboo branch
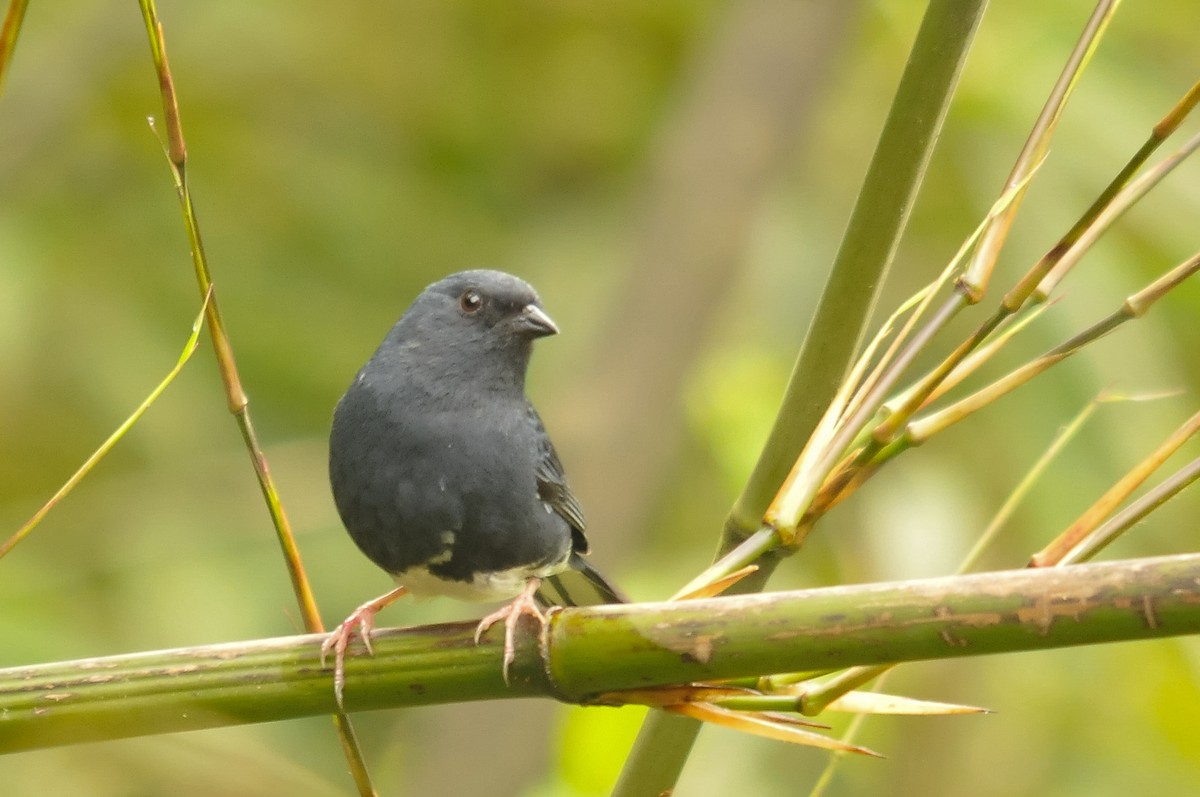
176,151
1094,515
235,396
999,337
920,302
979,272
1133,514
8,35
971,286
854,470
1025,485
1135,306
111,441
797,494
1076,243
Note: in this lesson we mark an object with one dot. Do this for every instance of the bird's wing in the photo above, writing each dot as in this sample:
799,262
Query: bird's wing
552,485
565,589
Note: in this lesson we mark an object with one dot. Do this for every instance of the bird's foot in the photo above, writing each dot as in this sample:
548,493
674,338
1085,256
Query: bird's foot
361,620
523,604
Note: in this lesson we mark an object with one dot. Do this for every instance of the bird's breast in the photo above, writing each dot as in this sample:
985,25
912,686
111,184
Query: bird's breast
448,490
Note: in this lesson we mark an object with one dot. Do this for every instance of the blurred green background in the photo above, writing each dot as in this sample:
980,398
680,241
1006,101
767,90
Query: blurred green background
674,177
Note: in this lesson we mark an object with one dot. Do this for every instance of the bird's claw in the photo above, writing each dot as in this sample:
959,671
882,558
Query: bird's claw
523,604
361,619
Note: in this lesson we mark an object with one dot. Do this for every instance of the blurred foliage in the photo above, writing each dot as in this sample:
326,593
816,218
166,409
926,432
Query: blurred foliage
342,160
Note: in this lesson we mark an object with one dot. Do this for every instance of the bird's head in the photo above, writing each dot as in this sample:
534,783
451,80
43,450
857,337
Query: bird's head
490,304
480,324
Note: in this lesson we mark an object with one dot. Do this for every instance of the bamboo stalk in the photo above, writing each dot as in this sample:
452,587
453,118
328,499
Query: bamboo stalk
587,651
235,397
872,235
979,272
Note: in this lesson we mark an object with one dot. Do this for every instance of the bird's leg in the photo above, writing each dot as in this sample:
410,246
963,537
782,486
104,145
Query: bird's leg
511,615
362,619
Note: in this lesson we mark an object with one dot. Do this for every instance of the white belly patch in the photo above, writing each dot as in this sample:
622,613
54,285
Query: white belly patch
484,588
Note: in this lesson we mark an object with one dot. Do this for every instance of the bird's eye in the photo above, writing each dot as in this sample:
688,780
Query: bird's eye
471,302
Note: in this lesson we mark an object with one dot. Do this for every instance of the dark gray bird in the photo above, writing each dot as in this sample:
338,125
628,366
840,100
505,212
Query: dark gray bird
441,469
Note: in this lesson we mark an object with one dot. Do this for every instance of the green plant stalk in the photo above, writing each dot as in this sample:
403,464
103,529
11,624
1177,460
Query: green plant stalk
8,35
918,395
176,151
1101,212
845,420
971,286
1137,304
189,349
872,235
663,744
848,736
891,365
751,550
604,649
813,701
919,430
857,387
235,395
871,428
856,472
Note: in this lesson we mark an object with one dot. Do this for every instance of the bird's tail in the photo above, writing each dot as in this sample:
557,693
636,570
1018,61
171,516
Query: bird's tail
581,585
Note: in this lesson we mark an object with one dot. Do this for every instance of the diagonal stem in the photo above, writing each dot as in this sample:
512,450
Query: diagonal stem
8,35
176,151
872,235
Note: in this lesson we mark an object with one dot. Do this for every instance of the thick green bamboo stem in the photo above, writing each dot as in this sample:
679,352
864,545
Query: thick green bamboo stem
872,236
590,651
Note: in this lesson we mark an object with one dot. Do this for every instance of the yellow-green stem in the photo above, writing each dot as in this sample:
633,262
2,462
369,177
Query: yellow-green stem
8,35
235,395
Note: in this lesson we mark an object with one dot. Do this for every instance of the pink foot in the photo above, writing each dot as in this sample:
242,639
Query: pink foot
361,619
511,615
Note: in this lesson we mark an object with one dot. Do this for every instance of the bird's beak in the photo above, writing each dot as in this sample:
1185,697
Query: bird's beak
534,320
